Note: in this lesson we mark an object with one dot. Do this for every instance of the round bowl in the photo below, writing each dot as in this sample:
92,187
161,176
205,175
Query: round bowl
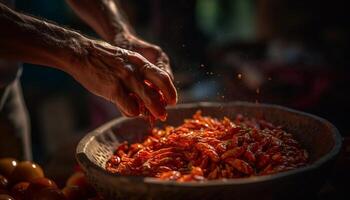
319,137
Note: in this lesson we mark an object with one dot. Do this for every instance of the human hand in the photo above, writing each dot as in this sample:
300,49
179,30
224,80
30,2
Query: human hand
117,75
106,19
113,73
151,52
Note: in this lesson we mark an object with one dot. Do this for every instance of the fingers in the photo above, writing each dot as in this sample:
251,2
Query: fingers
125,102
164,64
158,77
164,83
156,56
149,96
132,70
160,59
103,81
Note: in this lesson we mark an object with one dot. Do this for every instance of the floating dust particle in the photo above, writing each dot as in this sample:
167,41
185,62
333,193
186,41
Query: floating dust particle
269,78
223,97
239,76
201,65
257,90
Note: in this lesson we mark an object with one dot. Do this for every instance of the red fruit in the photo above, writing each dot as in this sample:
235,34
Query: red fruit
7,165
40,183
26,171
37,185
18,191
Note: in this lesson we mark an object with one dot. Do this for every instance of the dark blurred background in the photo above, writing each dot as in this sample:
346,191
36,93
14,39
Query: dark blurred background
287,52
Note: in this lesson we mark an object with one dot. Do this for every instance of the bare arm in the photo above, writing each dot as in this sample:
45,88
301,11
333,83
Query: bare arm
105,17
35,41
105,70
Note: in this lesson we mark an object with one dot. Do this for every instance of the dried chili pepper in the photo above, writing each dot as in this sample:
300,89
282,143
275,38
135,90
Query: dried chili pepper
144,112
205,148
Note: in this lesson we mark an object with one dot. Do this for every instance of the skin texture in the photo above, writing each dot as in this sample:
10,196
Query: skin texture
105,70
105,17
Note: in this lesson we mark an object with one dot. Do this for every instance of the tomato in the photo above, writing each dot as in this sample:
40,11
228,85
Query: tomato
7,165
40,183
26,171
37,185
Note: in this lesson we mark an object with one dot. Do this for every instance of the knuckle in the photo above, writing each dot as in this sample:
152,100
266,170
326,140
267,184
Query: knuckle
146,67
122,52
135,54
157,48
165,58
164,77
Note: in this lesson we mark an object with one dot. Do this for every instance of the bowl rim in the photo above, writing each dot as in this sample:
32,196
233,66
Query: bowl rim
84,142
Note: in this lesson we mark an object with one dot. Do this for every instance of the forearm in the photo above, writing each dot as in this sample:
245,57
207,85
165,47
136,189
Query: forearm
103,16
27,39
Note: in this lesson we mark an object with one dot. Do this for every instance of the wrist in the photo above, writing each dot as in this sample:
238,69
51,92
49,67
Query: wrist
75,54
113,23
115,31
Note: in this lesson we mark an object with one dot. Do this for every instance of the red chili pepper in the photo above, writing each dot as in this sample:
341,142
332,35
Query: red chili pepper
205,148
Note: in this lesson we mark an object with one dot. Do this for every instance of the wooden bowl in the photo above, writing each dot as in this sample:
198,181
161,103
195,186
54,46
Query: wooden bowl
318,136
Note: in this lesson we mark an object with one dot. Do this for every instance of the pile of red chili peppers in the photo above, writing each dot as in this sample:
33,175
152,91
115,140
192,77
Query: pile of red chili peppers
205,148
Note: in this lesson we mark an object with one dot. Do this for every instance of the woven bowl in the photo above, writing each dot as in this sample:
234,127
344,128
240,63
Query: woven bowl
318,136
